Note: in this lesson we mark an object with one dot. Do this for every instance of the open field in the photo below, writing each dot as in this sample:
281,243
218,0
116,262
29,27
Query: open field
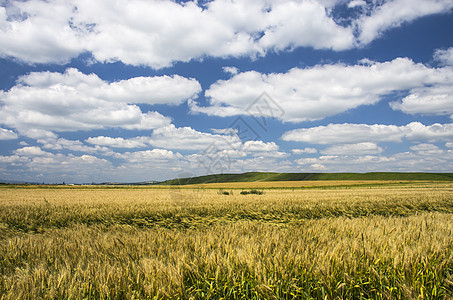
330,184
271,176
334,240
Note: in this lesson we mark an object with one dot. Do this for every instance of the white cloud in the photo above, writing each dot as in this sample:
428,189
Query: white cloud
400,162
6,134
229,131
209,146
165,89
434,100
35,164
427,149
158,33
274,154
171,137
318,167
69,168
260,146
360,133
262,149
305,150
449,145
167,31
230,70
38,32
320,91
345,133
43,101
61,143
39,133
416,131
444,56
365,148
12,159
435,97
72,145
55,31
356,3
32,151
58,144
138,142
149,155
424,147
303,24
384,15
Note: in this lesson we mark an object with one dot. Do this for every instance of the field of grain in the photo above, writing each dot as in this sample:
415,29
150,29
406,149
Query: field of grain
378,240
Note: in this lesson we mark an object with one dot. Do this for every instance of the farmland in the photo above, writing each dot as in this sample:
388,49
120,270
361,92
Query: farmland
323,239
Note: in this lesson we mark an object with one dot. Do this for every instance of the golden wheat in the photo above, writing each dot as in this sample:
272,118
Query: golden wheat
381,242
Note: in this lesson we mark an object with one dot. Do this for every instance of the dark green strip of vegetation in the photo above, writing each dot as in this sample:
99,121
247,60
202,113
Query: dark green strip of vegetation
268,176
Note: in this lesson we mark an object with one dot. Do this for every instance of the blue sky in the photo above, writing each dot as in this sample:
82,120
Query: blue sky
151,90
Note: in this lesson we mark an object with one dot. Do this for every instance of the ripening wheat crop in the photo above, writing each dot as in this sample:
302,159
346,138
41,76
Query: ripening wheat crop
359,242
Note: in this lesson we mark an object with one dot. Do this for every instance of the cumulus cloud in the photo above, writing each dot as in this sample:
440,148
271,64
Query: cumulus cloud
274,154
416,131
207,146
211,146
6,134
260,146
365,148
38,31
54,31
35,165
424,147
149,155
305,150
427,149
165,89
31,151
71,101
172,137
212,159
72,145
263,149
39,134
356,3
138,142
433,100
400,162
230,70
363,133
444,56
345,133
384,15
320,91
302,24
159,163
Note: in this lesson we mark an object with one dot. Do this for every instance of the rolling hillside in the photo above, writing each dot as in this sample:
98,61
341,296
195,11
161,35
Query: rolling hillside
268,176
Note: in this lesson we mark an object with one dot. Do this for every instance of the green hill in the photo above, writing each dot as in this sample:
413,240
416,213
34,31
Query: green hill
269,176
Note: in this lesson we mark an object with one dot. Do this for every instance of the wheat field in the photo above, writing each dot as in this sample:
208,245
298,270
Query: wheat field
370,240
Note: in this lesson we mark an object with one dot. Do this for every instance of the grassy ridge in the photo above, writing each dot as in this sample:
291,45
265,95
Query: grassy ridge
269,176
